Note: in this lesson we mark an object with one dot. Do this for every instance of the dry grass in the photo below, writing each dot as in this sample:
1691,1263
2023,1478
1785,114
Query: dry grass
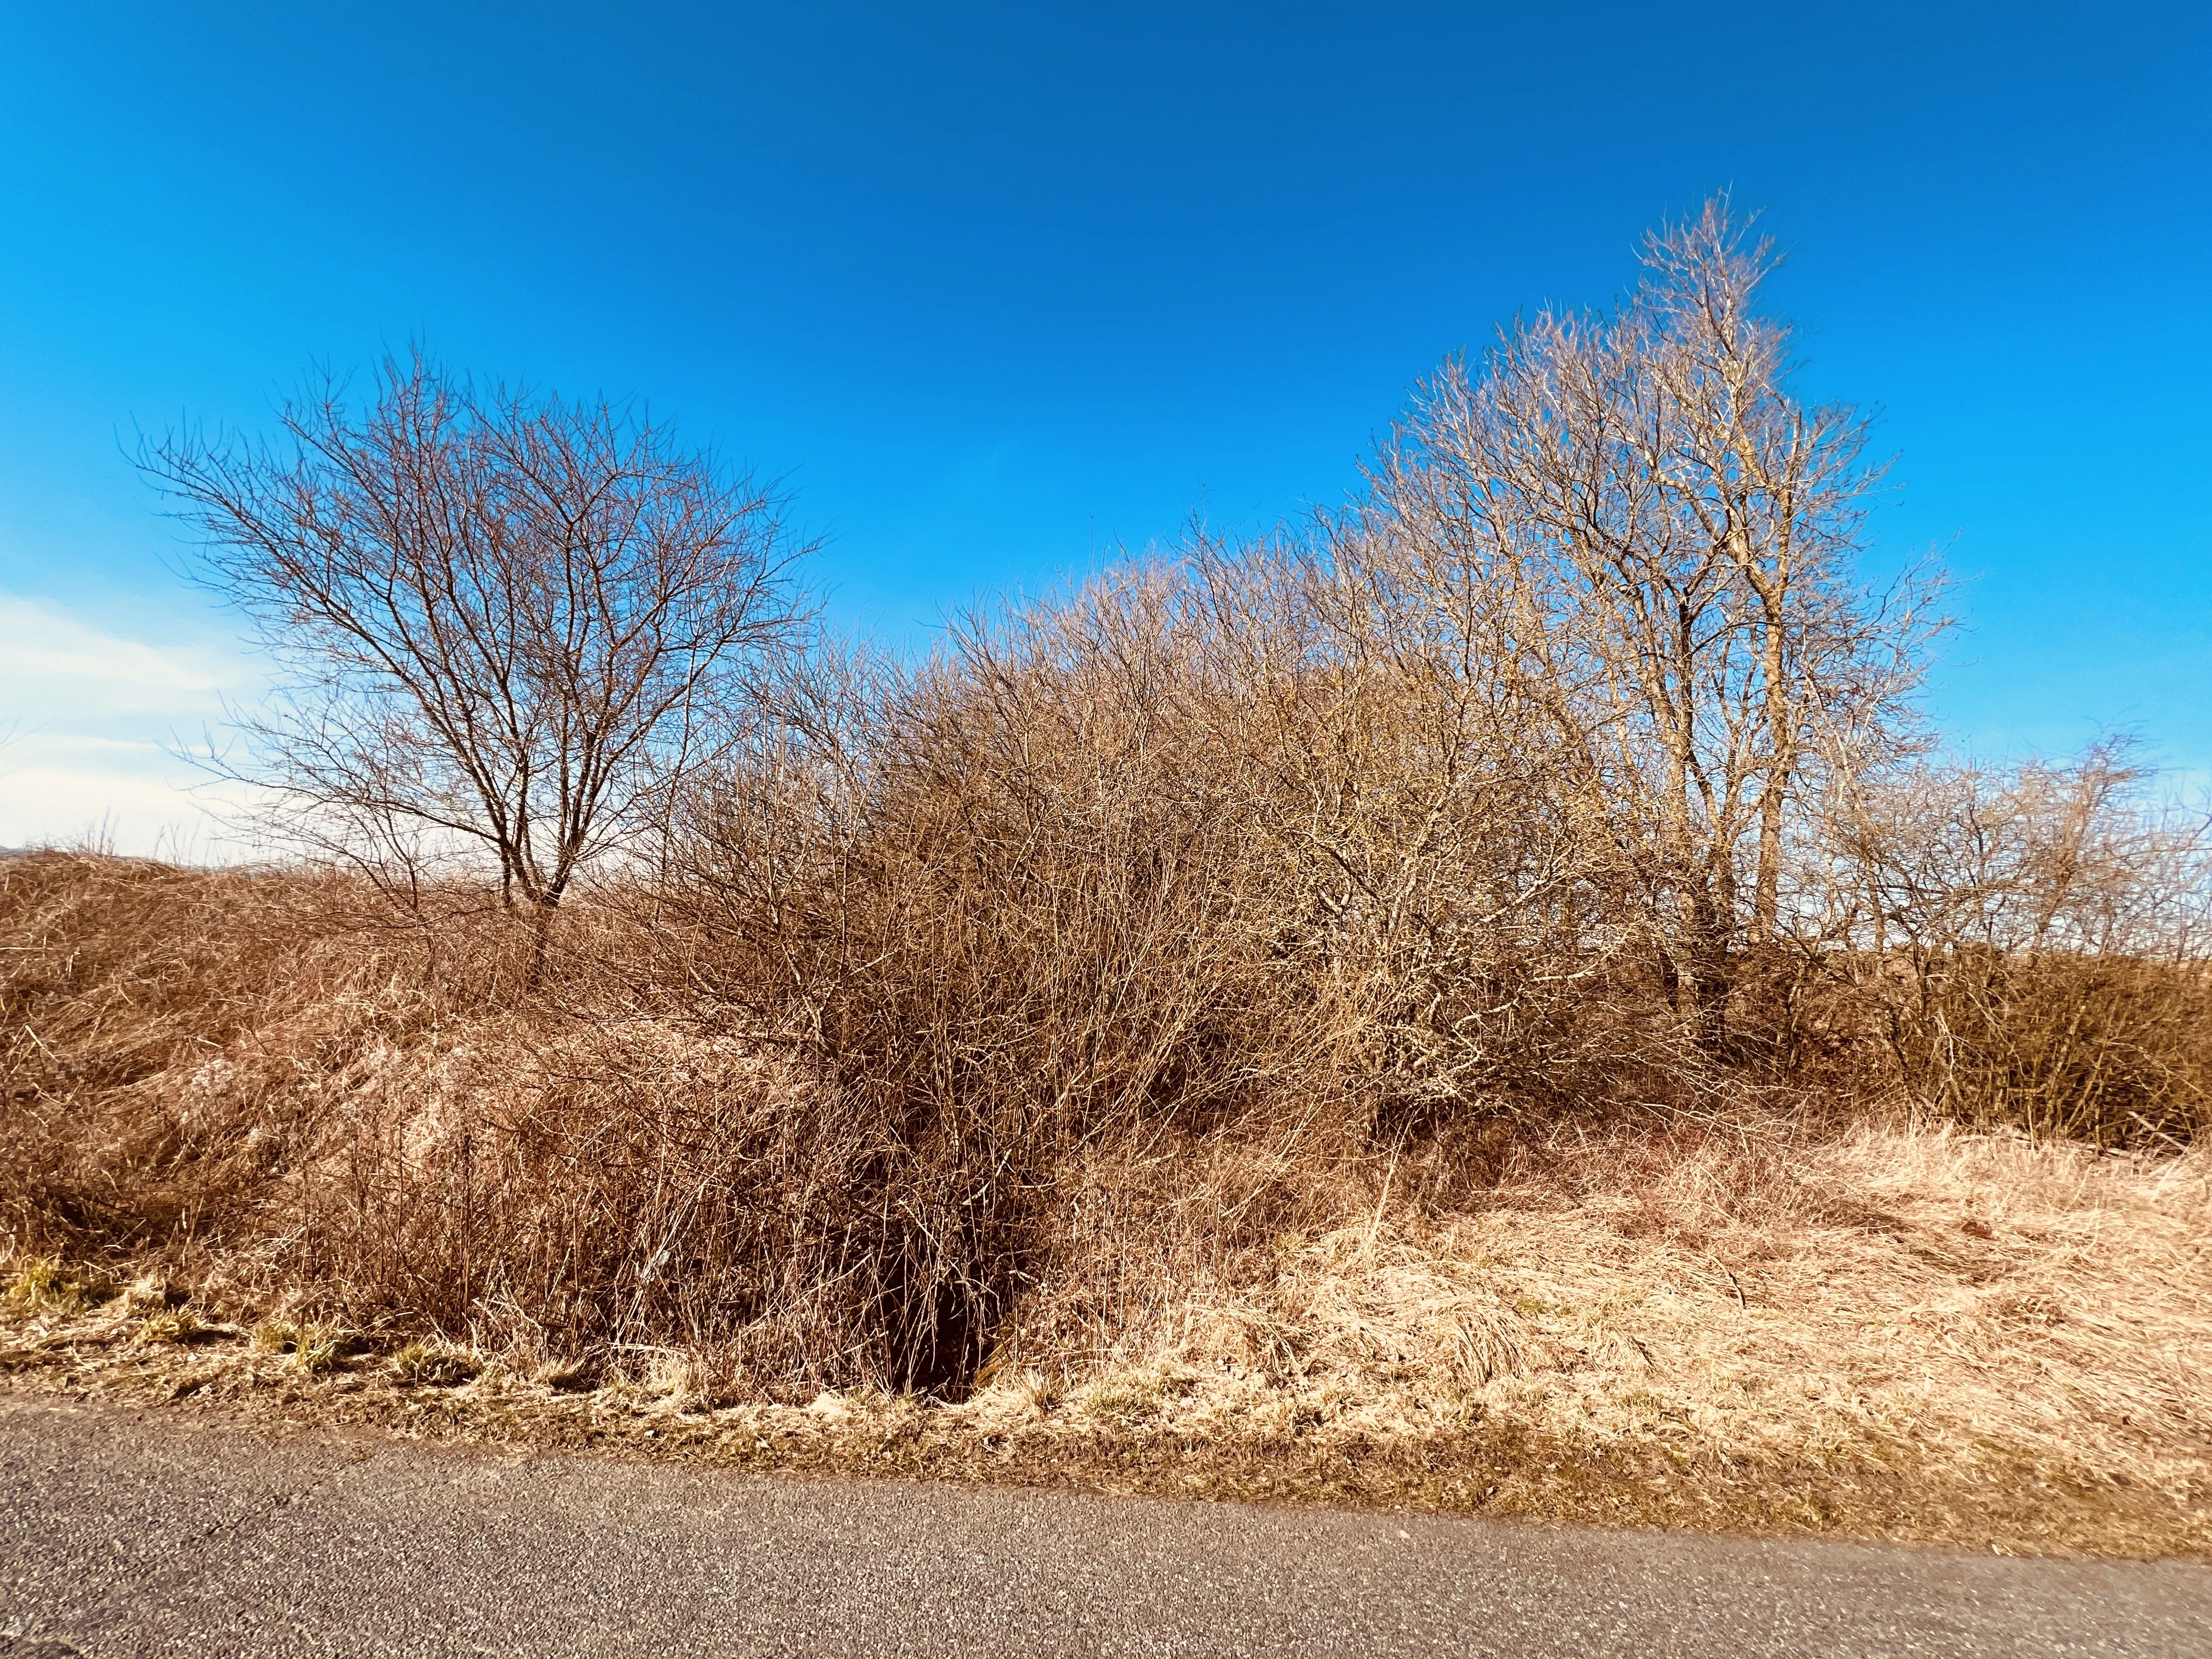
1980,1300
1909,1333
260,1153
166,1036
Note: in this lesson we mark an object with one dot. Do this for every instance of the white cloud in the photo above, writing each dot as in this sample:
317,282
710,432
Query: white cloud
87,722
55,667
152,816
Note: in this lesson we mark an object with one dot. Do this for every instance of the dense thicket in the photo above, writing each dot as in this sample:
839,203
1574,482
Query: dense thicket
1568,775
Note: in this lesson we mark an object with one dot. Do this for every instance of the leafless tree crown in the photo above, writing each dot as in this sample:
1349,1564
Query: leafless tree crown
505,624
1648,534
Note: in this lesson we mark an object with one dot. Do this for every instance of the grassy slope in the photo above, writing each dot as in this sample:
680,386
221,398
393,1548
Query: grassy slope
1886,1333
1922,1335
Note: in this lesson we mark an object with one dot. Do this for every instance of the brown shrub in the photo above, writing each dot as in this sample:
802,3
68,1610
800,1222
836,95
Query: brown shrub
568,1191
992,1001
2032,946
2113,1049
335,1105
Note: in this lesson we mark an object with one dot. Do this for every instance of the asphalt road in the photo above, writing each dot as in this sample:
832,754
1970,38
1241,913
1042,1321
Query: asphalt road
128,1533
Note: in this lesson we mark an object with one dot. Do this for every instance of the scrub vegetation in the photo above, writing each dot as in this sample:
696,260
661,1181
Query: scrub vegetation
1490,997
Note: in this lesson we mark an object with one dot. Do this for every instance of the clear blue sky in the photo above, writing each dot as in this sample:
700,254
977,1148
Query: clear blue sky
997,284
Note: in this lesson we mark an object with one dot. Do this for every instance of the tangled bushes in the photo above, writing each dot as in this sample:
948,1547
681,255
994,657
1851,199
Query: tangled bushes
1566,777
2032,946
936,1035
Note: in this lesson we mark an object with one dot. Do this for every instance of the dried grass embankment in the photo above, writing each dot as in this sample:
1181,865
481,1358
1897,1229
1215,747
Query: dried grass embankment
353,1178
261,1153
1951,1338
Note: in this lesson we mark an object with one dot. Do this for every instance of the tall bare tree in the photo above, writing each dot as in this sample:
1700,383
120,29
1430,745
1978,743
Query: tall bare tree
1663,536
505,624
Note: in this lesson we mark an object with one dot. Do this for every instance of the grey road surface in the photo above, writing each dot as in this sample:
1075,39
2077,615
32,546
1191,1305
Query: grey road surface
125,1532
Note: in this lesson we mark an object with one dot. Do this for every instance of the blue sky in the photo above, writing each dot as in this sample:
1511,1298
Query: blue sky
997,286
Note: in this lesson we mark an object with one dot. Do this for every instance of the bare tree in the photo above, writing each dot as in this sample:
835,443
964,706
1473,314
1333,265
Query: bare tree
505,624
1662,538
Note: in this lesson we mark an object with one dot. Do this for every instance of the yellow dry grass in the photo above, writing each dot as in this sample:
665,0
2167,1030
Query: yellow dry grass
1977,1299
1903,1333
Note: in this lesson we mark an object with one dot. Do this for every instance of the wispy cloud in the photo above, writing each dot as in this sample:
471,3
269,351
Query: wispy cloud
88,717
54,667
